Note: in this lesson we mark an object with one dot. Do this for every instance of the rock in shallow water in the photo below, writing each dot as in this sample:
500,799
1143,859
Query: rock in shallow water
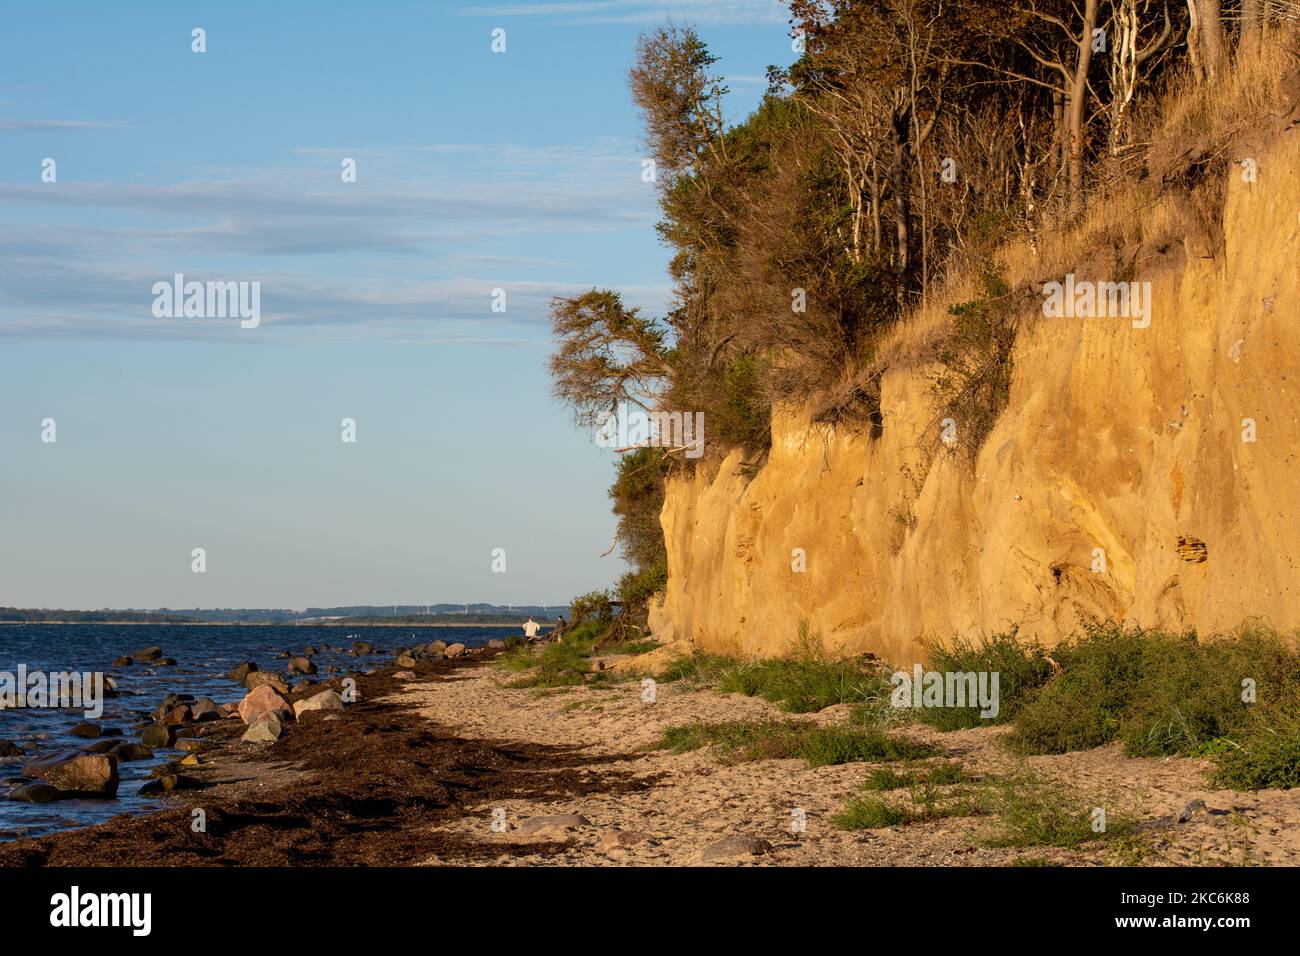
159,735
242,671
36,793
129,751
91,775
301,665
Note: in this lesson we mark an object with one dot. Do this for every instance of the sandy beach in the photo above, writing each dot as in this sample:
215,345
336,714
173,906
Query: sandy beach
449,766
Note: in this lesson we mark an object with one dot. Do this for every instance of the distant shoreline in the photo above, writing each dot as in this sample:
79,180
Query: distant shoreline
253,624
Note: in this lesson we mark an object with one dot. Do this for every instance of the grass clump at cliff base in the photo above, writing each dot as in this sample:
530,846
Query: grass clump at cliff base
1022,667
819,746
804,682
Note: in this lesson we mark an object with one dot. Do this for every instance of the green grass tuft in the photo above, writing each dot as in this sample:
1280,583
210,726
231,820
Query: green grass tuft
741,741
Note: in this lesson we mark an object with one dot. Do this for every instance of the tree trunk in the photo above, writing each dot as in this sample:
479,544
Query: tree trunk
901,123
1058,137
1078,102
1213,45
877,237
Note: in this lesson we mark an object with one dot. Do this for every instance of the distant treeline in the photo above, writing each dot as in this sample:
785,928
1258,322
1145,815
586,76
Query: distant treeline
37,616
426,620
358,614
462,611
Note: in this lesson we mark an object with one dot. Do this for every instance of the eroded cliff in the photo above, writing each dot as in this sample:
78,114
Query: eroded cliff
1128,440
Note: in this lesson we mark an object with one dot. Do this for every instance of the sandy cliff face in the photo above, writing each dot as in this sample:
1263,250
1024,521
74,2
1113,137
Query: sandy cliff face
1115,438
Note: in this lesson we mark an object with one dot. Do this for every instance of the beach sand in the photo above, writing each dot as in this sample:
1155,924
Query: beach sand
455,768
693,800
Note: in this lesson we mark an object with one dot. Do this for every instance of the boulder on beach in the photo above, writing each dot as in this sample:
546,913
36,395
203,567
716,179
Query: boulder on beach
455,650
404,675
435,647
190,744
100,747
205,708
406,660
258,679
264,700
622,839
735,846
325,700
301,665
265,728
85,774
496,644
242,671
555,825
148,654
159,735
169,782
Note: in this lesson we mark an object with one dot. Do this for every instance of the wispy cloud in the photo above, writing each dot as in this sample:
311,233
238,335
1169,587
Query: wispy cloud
55,124
404,252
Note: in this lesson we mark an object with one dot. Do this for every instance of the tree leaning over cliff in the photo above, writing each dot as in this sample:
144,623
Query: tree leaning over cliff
606,353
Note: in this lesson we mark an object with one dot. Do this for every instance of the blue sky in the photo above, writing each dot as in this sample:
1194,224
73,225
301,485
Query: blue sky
475,171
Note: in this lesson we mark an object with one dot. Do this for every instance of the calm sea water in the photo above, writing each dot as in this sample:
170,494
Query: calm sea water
203,654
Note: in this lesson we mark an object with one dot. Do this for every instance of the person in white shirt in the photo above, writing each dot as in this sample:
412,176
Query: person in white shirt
531,628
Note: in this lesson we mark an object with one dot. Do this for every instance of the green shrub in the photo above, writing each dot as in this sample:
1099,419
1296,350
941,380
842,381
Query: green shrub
1160,693
869,812
1021,667
1268,756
